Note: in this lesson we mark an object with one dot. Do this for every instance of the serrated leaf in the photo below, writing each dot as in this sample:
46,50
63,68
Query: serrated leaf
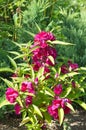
38,27
9,83
14,52
40,72
49,92
17,44
66,92
51,59
69,75
61,115
48,118
82,68
30,33
12,62
20,56
4,103
37,110
69,106
6,70
81,103
61,43
32,73
24,121
19,101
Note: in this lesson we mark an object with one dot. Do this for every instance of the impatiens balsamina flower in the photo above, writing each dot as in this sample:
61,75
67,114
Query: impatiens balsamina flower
41,54
42,38
17,109
11,95
58,103
36,81
58,89
28,101
69,67
72,66
64,69
27,86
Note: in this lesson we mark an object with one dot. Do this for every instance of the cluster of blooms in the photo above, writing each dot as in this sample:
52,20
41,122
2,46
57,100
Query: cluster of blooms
12,94
70,67
56,104
40,58
42,53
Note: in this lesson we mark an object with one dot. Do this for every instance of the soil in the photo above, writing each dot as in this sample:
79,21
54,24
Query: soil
74,121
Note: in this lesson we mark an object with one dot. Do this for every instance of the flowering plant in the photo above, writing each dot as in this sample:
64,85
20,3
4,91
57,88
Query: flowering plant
42,87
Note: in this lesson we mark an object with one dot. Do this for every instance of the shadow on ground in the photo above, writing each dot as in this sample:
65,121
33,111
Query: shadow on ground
75,121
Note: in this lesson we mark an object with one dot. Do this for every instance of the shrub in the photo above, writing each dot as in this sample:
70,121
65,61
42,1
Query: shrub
42,87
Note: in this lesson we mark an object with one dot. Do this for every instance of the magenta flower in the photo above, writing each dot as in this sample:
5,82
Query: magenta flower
41,55
24,87
40,58
58,103
66,109
64,69
14,75
73,66
17,109
27,86
58,89
42,38
69,67
52,112
36,81
11,95
28,100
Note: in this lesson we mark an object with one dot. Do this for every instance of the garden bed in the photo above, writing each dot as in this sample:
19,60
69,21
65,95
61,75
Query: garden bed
75,121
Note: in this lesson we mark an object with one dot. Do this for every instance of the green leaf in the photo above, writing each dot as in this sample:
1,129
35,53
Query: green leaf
37,110
15,18
24,121
61,43
69,106
6,70
71,74
4,103
49,92
66,92
14,52
9,83
51,59
82,68
30,33
20,56
17,44
40,72
38,27
32,73
48,118
81,103
19,101
13,62
61,115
